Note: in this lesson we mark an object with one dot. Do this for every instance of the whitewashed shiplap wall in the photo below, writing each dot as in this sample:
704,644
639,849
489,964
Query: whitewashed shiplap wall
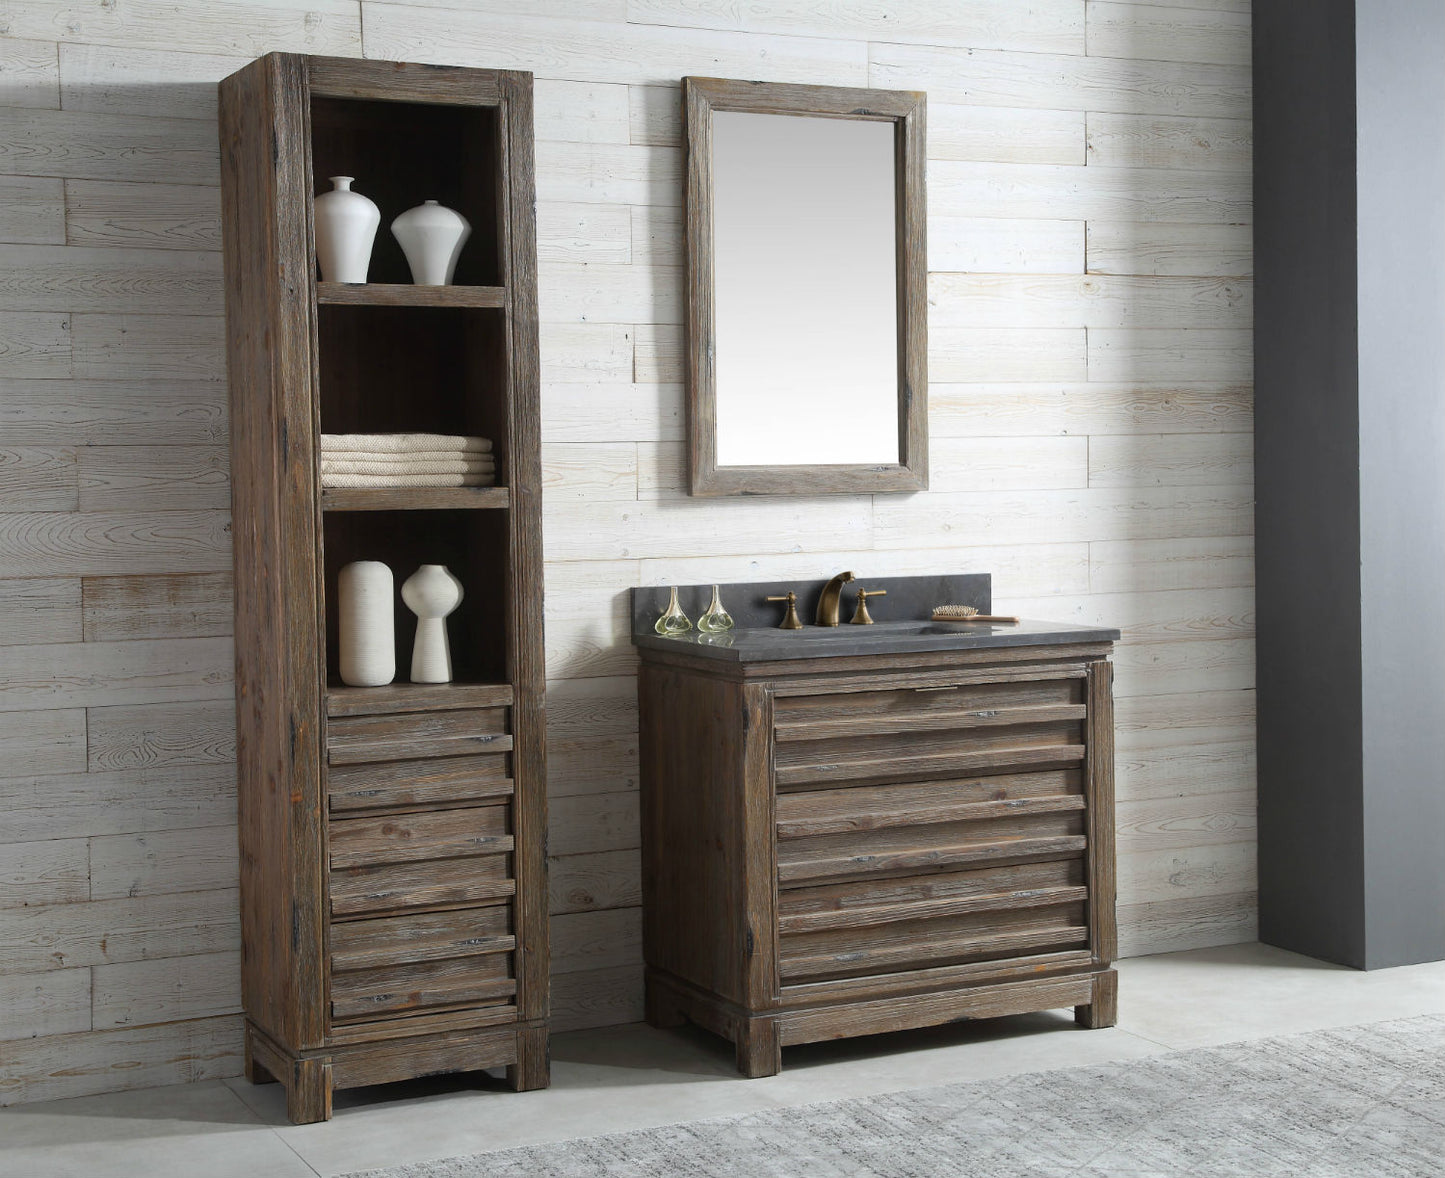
1089,208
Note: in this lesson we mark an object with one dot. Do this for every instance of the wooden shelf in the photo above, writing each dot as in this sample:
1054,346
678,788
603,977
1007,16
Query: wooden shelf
385,294
415,697
414,498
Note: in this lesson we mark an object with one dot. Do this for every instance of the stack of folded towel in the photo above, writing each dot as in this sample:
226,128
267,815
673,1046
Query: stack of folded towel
406,460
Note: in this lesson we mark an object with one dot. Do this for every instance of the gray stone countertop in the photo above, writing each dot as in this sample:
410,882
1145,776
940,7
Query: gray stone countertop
756,638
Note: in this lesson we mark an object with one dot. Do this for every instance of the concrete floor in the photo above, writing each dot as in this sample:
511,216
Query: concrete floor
631,1077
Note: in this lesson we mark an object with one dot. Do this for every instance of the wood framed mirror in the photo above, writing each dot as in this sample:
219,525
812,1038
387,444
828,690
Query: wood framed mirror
807,289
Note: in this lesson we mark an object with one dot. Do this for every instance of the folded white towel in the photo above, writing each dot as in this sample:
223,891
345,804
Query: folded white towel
404,443
407,480
404,459
399,464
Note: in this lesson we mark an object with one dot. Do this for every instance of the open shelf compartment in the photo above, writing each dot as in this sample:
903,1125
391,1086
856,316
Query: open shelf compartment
404,153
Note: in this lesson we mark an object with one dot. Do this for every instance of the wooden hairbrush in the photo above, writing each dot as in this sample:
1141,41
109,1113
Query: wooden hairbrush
968,613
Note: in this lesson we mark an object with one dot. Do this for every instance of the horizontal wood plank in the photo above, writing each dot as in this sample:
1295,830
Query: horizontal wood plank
32,210
127,608
99,674
40,610
88,1062
193,986
147,736
161,862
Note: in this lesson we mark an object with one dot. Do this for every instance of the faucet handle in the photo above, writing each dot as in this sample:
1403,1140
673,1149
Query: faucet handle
790,619
861,616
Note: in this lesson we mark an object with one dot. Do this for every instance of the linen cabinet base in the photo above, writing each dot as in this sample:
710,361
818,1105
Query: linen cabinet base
393,889
866,843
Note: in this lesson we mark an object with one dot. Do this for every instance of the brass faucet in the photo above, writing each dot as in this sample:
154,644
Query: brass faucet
828,602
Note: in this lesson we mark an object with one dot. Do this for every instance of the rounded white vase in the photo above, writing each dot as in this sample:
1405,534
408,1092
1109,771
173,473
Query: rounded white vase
366,613
431,593
431,235
346,224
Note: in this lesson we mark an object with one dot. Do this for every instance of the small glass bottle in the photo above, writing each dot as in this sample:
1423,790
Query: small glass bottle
673,621
717,620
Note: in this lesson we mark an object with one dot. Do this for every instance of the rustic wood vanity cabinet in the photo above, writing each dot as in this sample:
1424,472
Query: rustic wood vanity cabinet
838,844
393,886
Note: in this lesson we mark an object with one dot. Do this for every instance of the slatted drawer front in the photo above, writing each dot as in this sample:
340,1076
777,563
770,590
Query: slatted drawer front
418,783
875,736
913,944
1053,831
404,735
420,962
416,860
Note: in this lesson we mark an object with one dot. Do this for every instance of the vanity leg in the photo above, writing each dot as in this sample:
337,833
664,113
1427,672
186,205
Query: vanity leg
308,1097
1103,1007
759,1052
533,1068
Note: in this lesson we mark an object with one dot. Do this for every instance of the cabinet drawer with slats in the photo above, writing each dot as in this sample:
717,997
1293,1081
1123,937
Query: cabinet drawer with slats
430,936
470,981
385,784
401,736
917,803
1051,834
905,944
395,887
407,838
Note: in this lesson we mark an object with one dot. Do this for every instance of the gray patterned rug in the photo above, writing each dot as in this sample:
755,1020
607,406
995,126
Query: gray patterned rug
1361,1102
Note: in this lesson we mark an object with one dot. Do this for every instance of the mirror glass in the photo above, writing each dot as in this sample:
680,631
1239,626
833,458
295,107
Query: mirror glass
805,266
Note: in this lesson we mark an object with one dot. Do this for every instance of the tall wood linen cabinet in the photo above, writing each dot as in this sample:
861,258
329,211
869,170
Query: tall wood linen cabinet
393,876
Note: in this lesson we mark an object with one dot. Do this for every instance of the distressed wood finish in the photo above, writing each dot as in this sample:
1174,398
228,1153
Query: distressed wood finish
905,109
812,871
393,839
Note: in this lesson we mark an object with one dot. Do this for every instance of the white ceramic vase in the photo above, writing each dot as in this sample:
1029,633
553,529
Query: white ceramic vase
431,593
366,611
431,236
346,225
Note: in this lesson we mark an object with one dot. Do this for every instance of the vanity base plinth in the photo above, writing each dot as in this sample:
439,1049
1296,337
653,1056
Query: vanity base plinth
1102,1009
760,1037
310,1077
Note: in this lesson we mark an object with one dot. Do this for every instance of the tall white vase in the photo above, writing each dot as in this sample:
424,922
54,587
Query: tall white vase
346,225
366,610
432,236
431,593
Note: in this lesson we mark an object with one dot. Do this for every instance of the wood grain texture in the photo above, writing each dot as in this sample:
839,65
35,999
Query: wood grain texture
111,412
87,1062
109,148
1062,82
161,862
153,477
83,278
142,216
139,992
803,831
32,210
156,82
44,873
38,1005
101,932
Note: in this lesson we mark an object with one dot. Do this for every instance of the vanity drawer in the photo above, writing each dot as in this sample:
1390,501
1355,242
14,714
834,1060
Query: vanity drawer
385,784
1054,924
929,707
1055,833
399,736
815,764
430,936
801,813
463,981
401,963
923,897
406,838
396,887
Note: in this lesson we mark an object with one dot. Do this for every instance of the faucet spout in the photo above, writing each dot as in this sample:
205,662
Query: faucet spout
828,601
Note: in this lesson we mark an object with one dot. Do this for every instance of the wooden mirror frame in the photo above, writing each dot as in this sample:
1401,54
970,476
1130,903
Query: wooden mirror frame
905,109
